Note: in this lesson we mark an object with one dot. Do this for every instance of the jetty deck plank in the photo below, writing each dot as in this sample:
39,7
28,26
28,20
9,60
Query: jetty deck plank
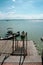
31,50
23,64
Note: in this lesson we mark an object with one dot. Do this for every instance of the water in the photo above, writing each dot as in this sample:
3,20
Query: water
34,28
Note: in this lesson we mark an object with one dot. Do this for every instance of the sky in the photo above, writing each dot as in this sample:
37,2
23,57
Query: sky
21,9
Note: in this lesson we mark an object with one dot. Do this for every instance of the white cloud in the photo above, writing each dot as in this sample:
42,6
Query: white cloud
12,7
13,0
2,15
9,13
20,16
13,15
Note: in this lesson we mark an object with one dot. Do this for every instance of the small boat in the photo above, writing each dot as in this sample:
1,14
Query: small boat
1,38
9,37
41,38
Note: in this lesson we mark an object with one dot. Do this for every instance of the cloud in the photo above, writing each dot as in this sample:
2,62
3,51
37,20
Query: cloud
10,12
13,0
20,16
2,15
12,7
13,15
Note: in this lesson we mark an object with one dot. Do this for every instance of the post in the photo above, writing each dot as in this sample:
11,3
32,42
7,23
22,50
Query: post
26,42
15,41
13,45
23,37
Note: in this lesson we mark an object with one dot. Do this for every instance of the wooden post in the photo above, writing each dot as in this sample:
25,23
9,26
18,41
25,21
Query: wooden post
23,37
26,42
13,45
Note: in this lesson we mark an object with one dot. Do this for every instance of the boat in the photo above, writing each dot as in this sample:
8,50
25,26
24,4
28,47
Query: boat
1,38
10,36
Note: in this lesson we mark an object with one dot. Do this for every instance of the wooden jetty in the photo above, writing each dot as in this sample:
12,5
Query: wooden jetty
32,57
12,49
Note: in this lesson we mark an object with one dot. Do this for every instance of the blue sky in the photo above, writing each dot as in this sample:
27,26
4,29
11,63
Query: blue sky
27,9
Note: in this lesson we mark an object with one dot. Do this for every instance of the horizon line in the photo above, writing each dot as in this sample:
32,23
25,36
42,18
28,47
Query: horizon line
19,18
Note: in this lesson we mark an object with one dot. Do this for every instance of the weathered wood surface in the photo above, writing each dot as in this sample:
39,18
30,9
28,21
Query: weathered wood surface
31,50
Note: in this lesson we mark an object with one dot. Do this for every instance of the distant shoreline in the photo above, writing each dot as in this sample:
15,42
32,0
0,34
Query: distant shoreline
18,19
